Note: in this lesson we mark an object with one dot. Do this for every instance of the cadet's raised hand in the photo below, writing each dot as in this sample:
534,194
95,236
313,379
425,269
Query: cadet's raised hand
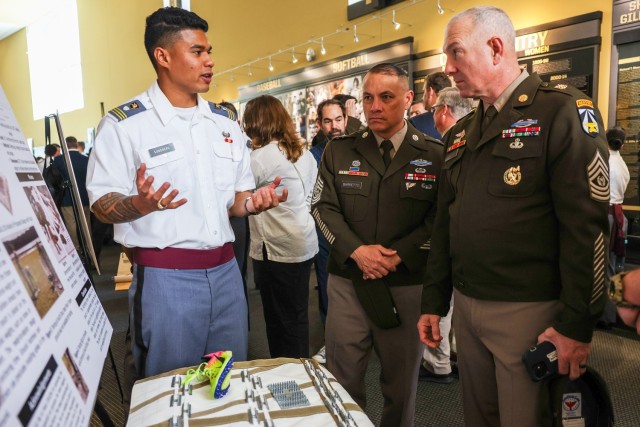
150,200
265,198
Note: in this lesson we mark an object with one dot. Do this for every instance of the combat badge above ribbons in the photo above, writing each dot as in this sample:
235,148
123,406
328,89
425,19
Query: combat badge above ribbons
598,175
587,117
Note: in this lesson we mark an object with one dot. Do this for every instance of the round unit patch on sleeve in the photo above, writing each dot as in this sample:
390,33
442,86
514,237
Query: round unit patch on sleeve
598,175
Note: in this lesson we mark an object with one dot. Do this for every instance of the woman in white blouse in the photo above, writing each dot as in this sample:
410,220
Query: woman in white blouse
618,181
283,239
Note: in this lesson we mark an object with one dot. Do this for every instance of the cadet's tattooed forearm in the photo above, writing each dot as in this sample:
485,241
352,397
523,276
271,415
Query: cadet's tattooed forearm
115,208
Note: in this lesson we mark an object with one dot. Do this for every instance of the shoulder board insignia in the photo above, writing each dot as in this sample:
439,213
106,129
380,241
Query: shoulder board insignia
346,135
221,111
127,110
561,88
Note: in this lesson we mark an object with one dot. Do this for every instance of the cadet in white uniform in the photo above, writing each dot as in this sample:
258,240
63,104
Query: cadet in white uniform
187,297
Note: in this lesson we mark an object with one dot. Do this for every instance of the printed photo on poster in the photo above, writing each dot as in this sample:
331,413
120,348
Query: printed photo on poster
47,214
75,374
34,269
5,194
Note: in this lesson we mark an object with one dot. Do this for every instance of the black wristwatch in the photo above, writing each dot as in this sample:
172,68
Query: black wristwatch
616,292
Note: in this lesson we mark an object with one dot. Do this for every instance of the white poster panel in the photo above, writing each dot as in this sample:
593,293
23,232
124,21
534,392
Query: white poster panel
54,333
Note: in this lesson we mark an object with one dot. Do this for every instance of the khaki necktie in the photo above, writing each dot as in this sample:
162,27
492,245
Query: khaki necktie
386,146
489,115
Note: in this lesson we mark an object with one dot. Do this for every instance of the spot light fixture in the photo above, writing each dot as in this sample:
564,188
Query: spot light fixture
396,24
355,34
293,56
323,51
440,9
270,65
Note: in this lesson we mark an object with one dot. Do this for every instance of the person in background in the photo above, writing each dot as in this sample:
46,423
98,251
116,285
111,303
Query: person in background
240,225
351,104
40,162
186,298
332,118
619,179
433,84
79,162
81,147
283,240
416,108
51,151
521,225
625,295
436,364
374,201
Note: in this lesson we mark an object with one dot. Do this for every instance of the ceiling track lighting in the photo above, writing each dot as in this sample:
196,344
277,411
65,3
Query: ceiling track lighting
440,9
396,24
320,39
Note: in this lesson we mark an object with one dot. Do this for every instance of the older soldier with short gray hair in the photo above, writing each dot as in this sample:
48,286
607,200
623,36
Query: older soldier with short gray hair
521,224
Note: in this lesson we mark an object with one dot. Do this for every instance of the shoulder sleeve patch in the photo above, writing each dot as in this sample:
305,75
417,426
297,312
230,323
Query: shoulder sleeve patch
222,111
127,110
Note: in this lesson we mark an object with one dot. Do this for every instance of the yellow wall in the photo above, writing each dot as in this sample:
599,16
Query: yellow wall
116,68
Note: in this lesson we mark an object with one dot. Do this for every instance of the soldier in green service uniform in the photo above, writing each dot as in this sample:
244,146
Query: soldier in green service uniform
374,201
521,229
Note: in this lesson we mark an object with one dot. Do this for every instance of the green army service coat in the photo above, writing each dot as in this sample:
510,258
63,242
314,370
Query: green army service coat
522,209
357,202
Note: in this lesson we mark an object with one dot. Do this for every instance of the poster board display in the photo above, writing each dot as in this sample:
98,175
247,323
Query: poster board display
55,333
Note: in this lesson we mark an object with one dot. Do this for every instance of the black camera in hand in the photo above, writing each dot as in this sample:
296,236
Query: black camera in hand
541,361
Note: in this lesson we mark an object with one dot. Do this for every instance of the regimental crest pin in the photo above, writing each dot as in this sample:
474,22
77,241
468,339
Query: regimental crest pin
587,117
561,86
365,134
516,144
410,184
355,163
415,137
512,176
